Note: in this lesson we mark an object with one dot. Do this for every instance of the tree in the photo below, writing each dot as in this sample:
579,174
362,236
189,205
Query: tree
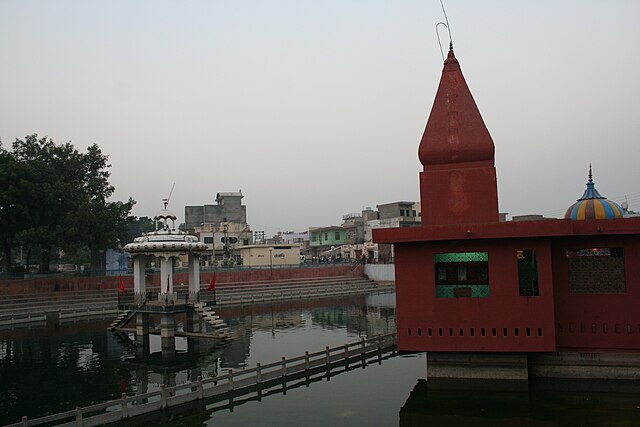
64,199
13,211
138,227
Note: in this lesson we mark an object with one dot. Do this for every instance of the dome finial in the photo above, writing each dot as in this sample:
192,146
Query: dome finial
590,174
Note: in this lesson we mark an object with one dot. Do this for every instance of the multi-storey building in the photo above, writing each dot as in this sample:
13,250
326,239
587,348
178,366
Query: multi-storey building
222,227
325,241
228,208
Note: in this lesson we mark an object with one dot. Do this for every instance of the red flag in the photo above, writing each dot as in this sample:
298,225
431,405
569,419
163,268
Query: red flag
212,284
121,288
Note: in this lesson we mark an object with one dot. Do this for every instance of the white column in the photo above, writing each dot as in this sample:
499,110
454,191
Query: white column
166,274
139,278
194,275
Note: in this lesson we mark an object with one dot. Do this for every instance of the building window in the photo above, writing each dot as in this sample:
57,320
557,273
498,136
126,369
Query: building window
208,240
337,236
462,275
326,236
401,212
596,270
413,214
245,242
527,273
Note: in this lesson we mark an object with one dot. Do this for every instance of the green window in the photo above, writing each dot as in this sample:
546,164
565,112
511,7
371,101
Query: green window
462,275
528,273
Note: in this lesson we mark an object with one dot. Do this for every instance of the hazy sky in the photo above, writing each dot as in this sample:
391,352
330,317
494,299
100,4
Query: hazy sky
315,109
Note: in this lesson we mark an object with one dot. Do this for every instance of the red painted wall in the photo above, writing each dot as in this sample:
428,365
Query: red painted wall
579,321
419,310
459,196
598,321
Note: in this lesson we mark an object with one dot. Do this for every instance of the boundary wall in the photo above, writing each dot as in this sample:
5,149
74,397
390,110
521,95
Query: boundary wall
381,272
87,283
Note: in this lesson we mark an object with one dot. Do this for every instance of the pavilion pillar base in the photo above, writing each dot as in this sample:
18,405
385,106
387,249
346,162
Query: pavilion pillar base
140,298
194,297
490,366
193,321
193,325
168,332
168,298
142,334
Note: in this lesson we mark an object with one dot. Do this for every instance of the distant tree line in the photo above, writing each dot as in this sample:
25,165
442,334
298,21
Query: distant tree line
55,198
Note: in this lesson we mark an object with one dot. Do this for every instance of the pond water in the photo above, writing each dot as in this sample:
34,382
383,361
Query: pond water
55,367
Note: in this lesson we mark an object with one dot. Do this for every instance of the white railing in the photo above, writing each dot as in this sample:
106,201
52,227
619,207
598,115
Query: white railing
131,406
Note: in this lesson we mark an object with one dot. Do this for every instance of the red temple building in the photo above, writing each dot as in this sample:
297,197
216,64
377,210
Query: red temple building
537,298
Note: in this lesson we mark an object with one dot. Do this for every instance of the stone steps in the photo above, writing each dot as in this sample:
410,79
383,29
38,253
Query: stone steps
18,308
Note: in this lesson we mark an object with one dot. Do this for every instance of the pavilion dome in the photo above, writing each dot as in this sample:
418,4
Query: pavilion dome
592,205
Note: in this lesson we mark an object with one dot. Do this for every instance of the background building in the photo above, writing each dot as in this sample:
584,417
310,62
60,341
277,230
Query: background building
269,255
323,241
228,208
222,227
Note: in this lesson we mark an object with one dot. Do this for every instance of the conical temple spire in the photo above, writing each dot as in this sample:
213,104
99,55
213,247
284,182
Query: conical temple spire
458,184
455,131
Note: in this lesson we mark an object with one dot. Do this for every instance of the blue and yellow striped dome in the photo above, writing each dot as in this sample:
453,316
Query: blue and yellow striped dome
593,206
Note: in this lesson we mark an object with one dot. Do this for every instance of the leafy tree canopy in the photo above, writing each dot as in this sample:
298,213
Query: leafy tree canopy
56,197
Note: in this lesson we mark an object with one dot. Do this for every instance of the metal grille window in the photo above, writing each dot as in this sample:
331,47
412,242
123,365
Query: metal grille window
596,271
462,275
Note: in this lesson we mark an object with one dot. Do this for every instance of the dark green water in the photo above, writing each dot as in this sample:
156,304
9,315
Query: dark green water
55,367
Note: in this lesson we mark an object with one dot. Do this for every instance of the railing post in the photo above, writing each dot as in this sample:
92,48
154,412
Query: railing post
163,397
200,388
284,367
379,342
78,416
25,420
346,352
230,379
362,344
328,357
306,360
125,409
258,373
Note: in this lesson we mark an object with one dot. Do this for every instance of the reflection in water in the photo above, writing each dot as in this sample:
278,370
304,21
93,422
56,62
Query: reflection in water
51,368
55,367
517,403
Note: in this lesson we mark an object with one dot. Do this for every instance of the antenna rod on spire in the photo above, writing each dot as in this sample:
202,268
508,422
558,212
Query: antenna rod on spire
166,201
438,35
447,25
